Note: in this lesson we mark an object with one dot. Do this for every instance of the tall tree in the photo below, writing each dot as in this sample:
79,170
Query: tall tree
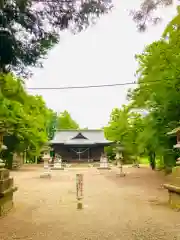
145,14
125,127
25,121
29,28
65,121
158,85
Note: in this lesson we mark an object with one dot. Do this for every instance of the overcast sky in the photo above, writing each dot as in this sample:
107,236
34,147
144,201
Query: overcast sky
103,54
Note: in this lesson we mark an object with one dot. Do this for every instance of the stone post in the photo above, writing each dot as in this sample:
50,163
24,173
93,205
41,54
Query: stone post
79,190
6,190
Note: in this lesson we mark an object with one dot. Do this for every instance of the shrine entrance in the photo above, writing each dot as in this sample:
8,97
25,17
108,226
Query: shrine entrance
80,153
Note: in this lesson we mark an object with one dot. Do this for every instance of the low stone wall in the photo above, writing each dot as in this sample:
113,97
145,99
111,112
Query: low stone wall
173,188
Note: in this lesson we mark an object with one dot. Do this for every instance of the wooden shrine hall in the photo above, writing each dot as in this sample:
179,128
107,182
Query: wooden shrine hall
79,145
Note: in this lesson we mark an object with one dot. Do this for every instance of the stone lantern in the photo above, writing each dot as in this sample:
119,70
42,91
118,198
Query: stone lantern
119,158
6,185
173,186
46,158
176,132
6,190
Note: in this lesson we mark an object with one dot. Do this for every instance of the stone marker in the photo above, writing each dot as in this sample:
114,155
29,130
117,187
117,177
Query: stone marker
6,190
79,190
104,162
174,188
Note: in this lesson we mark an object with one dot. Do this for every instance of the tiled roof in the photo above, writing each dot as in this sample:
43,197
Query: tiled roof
66,137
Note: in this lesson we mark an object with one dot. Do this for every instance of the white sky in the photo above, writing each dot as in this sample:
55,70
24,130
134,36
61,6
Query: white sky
103,54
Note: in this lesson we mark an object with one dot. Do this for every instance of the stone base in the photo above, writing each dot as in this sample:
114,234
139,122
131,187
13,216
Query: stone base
6,204
6,184
174,195
57,168
174,200
104,168
136,165
6,201
45,175
121,174
79,205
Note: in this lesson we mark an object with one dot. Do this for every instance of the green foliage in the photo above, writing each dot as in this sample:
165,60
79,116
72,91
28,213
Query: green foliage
51,126
110,153
29,31
25,121
125,127
65,121
158,91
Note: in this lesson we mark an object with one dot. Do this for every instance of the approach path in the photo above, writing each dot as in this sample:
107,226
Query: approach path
130,208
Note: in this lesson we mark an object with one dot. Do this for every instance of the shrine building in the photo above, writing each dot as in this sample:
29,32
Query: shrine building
79,145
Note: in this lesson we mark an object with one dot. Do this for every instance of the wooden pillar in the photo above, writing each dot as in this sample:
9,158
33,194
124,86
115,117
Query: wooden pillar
1,139
88,154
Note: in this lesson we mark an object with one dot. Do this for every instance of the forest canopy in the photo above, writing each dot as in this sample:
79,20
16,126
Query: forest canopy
157,93
26,123
30,28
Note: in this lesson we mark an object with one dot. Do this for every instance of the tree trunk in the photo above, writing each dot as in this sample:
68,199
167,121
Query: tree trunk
152,160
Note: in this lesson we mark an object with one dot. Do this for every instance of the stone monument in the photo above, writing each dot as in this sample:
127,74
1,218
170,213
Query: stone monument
46,158
104,162
6,190
57,164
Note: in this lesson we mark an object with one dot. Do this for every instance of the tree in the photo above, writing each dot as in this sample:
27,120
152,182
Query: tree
25,121
65,121
124,127
52,121
145,14
157,92
159,85
29,28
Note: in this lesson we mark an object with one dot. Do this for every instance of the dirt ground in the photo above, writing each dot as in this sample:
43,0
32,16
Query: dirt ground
115,208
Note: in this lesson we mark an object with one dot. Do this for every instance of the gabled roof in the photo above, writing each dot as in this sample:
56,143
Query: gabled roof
80,137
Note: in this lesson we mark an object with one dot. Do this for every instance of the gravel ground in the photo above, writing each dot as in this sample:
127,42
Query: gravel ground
115,208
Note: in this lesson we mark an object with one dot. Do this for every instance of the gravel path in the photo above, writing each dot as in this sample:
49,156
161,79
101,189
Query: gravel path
115,208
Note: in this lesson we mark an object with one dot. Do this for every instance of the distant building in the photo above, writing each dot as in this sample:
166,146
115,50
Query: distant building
79,145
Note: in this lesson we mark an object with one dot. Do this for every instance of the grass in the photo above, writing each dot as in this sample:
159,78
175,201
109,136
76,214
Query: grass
145,161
